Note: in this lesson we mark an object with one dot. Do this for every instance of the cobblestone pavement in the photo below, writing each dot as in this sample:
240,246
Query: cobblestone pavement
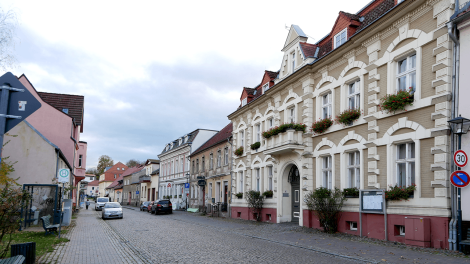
190,238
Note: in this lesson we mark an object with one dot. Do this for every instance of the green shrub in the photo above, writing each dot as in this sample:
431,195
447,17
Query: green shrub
326,205
255,202
397,193
283,128
351,192
268,193
239,195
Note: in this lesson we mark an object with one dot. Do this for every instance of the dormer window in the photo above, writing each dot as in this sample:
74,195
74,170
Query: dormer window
265,87
244,101
65,110
341,38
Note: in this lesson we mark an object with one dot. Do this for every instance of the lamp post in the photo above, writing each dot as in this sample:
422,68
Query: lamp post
459,126
187,177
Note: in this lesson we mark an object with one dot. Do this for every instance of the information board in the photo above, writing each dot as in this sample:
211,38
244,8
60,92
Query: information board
372,201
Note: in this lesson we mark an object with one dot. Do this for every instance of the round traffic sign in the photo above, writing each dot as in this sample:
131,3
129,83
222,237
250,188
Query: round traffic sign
459,179
460,158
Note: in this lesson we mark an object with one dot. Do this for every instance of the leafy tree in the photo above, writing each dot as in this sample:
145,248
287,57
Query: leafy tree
133,163
255,202
326,204
93,171
103,162
8,24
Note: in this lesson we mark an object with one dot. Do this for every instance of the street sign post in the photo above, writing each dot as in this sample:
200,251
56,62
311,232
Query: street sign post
64,175
15,106
186,185
459,179
460,158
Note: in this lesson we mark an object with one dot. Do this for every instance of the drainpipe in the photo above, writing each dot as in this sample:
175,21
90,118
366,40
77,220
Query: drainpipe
454,113
231,180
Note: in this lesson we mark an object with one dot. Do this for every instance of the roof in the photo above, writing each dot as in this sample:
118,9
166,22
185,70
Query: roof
461,10
74,104
299,31
308,49
154,161
107,168
115,182
222,136
176,143
155,172
94,183
132,170
272,75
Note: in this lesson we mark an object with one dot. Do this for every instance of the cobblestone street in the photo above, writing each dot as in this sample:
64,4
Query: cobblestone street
190,238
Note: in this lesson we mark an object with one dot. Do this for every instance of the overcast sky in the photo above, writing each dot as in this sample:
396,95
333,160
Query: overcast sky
152,71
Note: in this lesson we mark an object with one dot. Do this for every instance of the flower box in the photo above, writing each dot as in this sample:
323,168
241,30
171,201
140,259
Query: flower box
268,194
283,128
239,195
391,103
239,151
255,145
347,117
322,125
397,193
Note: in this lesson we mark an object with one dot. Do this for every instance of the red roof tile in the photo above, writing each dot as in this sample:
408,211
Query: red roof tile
218,138
94,183
74,104
308,49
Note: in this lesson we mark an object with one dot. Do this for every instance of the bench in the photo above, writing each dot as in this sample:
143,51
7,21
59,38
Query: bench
13,260
46,224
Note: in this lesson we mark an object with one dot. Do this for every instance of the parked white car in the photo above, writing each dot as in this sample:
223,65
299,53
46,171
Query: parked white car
100,202
112,210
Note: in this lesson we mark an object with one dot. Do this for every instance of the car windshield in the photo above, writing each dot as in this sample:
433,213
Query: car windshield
112,205
146,203
102,200
163,202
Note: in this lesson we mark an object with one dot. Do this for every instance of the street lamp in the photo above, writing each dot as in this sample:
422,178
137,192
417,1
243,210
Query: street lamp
187,176
459,126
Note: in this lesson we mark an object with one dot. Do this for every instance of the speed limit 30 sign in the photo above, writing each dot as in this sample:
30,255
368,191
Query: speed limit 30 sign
460,158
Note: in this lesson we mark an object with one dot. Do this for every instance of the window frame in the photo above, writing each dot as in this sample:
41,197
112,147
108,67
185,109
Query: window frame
407,73
264,89
226,156
407,161
356,178
328,105
293,61
339,35
270,123
219,158
356,94
242,138
291,114
270,178
244,101
240,174
258,132
328,170
211,161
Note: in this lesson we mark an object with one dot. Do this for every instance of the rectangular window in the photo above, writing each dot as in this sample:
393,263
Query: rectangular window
270,123
203,164
258,179
297,196
241,181
80,157
406,74
219,158
291,112
353,168
244,101
326,171
210,190
405,164
114,176
340,38
326,106
226,156
176,167
293,61
197,165
242,139
194,169
258,132
270,178
353,226
211,164
265,87
354,95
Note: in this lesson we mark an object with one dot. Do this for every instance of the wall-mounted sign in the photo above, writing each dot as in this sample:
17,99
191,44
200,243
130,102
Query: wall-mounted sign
64,175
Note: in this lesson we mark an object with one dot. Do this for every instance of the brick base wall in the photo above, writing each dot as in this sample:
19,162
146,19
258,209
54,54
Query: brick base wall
244,213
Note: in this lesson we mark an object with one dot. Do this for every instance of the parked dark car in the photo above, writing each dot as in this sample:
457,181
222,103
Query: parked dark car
162,206
144,206
149,207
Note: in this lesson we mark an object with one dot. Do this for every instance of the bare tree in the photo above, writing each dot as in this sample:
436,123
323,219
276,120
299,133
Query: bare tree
133,163
103,162
8,25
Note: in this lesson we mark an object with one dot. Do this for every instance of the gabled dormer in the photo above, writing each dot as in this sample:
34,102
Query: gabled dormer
297,51
247,95
267,81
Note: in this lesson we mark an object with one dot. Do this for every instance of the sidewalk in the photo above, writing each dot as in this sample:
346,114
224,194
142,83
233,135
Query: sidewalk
92,241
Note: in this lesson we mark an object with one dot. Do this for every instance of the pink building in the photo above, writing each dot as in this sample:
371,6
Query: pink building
60,120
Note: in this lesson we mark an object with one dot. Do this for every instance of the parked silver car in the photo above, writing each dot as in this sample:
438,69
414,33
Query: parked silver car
112,210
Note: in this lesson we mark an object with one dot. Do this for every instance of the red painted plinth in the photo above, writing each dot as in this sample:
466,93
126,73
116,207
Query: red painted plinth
246,214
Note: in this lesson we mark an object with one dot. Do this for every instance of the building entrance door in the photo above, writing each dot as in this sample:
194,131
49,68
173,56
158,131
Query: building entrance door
153,194
294,179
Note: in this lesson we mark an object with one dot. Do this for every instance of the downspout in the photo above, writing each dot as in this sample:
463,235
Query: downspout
454,113
231,180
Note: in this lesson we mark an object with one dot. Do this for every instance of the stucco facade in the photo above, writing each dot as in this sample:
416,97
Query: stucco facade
294,163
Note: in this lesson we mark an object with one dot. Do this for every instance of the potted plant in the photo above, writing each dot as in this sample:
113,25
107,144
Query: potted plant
322,125
348,116
351,192
397,193
239,195
283,128
391,103
255,145
239,151
268,194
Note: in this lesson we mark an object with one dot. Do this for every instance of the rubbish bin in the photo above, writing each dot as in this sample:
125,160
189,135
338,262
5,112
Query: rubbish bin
28,250
67,218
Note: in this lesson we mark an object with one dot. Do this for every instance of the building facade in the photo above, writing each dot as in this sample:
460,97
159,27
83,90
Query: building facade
210,181
385,48
148,189
109,176
174,165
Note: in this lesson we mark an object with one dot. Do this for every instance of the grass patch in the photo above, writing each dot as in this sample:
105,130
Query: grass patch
44,244
74,216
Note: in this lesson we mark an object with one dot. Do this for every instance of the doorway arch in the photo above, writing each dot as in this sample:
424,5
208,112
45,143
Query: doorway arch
290,197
